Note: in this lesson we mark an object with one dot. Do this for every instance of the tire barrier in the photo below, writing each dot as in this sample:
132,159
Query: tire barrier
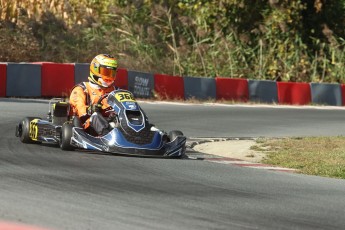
57,79
199,88
291,93
81,72
233,89
343,93
263,91
23,80
169,87
48,79
326,94
121,80
3,70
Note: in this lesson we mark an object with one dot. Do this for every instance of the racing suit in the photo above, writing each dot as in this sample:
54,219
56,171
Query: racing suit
82,97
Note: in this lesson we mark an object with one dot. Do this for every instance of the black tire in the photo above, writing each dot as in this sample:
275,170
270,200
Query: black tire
24,130
65,137
174,134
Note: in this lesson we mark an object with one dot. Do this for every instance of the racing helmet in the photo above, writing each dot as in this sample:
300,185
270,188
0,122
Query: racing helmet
103,70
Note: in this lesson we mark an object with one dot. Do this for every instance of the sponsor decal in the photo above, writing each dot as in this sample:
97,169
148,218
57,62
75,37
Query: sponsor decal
141,86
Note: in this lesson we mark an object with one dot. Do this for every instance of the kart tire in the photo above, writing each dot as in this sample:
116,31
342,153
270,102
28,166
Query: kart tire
174,134
65,137
24,130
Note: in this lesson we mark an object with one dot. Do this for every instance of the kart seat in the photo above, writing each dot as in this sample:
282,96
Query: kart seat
60,113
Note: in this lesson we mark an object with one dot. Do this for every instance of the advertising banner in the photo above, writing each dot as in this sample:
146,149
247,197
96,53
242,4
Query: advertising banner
141,84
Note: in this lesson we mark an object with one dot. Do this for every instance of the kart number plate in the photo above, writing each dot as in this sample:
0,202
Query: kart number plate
123,97
33,132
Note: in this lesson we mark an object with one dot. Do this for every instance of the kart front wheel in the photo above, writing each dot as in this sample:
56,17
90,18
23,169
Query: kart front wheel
23,130
174,134
65,137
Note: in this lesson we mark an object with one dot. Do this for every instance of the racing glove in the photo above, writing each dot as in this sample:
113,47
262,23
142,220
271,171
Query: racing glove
83,118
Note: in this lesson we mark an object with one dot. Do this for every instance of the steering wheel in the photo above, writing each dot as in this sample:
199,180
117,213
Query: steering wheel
97,107
112,115
101,98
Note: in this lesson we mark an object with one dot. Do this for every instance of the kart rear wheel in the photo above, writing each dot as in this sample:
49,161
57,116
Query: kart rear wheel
23,130
174,134
65,137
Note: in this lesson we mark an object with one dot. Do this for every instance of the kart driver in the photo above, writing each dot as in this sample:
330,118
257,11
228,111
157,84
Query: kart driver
84,96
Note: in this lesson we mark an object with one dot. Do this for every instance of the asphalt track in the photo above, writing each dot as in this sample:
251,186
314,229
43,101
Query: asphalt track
43,186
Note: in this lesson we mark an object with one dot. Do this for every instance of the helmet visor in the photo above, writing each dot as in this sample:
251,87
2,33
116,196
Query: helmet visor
107,73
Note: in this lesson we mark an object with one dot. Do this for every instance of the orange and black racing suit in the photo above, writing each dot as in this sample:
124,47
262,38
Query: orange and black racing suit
83,96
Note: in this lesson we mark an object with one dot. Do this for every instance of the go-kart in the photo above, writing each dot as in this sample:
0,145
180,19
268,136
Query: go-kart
130,132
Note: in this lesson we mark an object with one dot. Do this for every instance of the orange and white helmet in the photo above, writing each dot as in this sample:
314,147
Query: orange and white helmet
103,70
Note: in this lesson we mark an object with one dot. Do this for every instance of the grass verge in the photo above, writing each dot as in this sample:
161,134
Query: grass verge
321,156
